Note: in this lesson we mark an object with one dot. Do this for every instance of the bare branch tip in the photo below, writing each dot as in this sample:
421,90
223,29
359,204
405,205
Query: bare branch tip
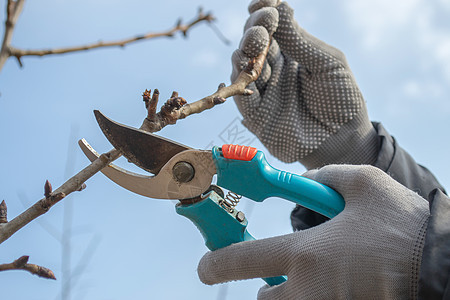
155,97
45,273
22,264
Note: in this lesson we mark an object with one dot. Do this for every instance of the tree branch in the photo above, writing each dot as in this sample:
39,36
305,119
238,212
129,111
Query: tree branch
176,108
51,198
179,27
13,10
22,264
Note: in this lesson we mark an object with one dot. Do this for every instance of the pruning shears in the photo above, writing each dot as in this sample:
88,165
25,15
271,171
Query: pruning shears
186,174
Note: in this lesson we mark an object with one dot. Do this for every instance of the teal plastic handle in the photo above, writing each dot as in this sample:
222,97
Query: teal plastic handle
257,180
219,225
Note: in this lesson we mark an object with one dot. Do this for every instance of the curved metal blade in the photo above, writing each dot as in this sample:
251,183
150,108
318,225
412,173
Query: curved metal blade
163,185
134,182
146,150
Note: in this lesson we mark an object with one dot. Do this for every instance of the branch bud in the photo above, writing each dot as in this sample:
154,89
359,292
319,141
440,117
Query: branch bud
82,187
221,86
21,261
47,189
248,92
200,11
45,273
179,21
219,100
3,212
146,97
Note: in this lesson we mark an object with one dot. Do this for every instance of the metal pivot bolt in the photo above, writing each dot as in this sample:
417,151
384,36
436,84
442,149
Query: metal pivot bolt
183,171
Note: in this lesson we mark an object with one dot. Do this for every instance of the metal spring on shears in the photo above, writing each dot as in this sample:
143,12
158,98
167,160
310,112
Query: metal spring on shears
230,201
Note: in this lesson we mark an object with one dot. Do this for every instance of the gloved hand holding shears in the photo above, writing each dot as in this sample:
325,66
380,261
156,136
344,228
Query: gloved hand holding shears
373,247
306,106
186,174
372,250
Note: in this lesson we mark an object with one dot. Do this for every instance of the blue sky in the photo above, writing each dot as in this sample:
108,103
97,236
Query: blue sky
124,246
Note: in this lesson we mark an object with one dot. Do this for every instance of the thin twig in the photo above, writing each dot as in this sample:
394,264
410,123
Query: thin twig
42,206
22,264
179,27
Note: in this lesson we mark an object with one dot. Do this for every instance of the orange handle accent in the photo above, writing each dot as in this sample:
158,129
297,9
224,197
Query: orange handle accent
238,152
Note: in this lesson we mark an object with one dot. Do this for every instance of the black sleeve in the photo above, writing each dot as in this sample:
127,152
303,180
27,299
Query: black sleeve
401,166
393,160
434,280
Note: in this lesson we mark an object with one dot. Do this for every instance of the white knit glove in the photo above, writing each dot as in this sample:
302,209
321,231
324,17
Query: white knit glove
371,250
306,104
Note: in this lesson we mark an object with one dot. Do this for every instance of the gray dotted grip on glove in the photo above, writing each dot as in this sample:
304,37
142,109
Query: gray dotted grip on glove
306,104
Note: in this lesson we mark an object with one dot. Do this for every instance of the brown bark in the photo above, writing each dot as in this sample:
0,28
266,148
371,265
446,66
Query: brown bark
177,108
14,8
22,264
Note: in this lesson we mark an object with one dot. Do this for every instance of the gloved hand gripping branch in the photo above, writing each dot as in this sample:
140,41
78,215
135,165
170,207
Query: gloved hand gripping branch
306,105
